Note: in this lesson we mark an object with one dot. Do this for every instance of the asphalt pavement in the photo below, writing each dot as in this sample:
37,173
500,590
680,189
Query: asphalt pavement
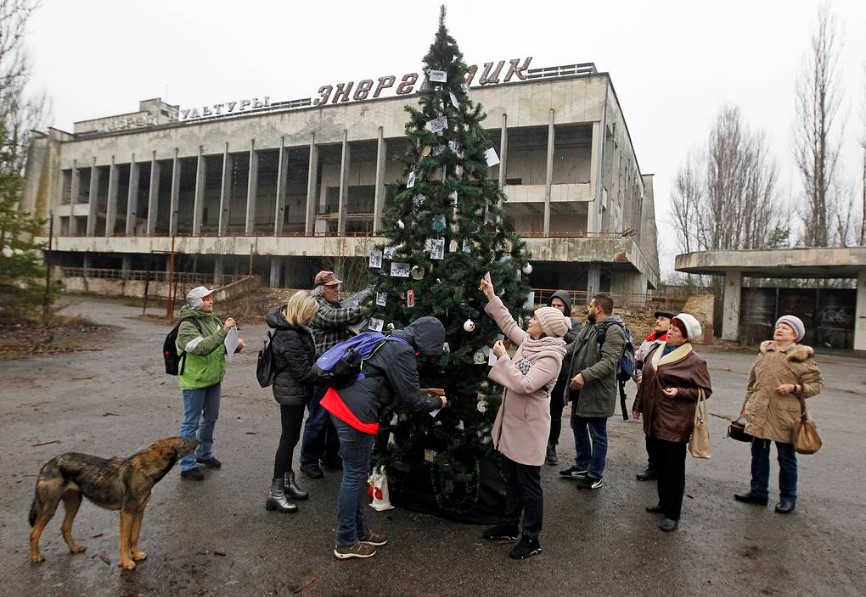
215,537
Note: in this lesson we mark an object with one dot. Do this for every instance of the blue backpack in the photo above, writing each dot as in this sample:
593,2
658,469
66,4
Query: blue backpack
343,364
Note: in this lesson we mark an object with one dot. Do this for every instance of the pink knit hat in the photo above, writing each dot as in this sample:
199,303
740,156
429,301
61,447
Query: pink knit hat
552,321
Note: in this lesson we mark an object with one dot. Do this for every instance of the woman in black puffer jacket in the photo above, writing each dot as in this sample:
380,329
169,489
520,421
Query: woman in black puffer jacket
294,354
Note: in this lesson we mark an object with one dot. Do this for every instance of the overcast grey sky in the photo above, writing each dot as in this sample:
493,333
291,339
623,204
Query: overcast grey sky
673,63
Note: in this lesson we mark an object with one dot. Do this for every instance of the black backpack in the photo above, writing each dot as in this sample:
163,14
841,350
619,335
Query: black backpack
626,365
265,370
175,363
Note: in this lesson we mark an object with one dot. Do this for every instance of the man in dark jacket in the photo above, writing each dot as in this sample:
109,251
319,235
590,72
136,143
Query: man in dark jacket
562,301
593,362
330,326
390,381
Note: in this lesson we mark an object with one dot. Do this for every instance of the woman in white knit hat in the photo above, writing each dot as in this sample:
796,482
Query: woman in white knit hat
522,425
782,372
673,376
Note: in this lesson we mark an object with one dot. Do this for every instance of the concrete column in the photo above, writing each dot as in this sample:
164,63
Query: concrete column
312,177
125,267
252,188
132,198
75,184
503,151
343,205
111,204
92,193
593,281
548,177
218,268
595,165
225,191
275,272
731,305
175,194
860,314
153,195
379,194
198,201
280,201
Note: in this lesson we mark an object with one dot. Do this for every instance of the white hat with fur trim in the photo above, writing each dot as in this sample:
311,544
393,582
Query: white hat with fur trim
692,325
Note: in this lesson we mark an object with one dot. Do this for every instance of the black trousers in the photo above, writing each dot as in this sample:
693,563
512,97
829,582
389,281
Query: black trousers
670,462
523,495
557,403
291,418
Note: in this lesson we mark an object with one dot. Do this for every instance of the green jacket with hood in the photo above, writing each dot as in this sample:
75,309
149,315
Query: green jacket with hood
205,350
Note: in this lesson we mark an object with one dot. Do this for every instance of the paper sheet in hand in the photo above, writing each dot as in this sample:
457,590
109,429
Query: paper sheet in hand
231,343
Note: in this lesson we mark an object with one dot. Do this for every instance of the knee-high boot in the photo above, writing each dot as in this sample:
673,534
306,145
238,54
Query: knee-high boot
292,489
277,499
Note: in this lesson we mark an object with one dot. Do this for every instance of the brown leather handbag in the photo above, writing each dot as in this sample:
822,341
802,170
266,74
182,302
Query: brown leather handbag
804,435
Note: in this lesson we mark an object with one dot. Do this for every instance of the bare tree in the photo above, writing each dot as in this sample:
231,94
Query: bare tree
816,145
20,111
734,205
862,235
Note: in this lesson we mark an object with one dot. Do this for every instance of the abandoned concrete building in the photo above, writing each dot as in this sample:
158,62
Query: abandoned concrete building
274,187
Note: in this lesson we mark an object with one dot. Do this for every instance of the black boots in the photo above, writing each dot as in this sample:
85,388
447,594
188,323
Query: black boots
551,457
277,499
291,487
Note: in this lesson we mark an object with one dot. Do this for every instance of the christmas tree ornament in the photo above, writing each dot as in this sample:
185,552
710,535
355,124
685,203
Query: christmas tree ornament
429,456
446,348
417,272
400,224
527,269
438,150
437,249
438,76
479,358
491,157
426,151
453,196
390,328
418,201
375,258
469,326
410,182
410,298
439,224
381,299
460,426
400,270
375,324
481,406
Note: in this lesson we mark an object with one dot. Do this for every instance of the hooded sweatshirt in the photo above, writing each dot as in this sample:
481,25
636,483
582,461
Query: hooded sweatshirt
390,379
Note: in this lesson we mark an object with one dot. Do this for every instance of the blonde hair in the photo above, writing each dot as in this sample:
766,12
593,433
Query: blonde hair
301,308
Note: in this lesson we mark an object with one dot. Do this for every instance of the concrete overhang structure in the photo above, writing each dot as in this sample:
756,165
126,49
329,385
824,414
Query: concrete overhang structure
826,263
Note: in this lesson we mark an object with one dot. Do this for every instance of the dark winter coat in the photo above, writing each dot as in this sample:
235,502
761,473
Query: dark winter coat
769,415
391,375
598,363
294,353
671,419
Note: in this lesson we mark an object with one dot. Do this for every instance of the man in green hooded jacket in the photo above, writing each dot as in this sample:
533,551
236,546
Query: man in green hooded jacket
201,336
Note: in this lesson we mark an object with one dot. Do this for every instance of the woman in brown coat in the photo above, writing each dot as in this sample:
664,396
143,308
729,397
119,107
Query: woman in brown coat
781,372
672,377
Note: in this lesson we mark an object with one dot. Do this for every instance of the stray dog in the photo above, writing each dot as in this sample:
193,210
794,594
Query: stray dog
116,484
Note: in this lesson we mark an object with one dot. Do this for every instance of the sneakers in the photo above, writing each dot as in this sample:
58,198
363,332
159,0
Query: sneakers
359,550
573,472
210,462
525,549
550,457
313,471
751,498
668,525
371,537
588,483
501,533
193,474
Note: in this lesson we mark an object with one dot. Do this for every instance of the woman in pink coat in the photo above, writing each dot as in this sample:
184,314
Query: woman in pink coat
522,424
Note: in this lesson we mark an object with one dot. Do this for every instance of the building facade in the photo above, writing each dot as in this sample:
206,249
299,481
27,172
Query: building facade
275,187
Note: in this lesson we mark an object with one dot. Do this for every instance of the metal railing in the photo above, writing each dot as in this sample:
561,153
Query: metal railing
190,278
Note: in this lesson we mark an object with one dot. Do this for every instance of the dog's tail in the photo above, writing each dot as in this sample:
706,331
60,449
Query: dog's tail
33,513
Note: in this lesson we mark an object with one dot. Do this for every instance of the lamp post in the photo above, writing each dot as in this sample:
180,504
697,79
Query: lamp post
46,298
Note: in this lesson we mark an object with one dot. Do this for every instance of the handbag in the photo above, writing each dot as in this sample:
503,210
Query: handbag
804,435
737,430
699,443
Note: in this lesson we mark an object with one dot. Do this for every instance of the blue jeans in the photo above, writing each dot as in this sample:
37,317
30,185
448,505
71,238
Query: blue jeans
761,469
590,441
320,440
357,448
201,409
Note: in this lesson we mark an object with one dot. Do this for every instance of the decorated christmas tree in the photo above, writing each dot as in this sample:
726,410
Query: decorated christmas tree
446,230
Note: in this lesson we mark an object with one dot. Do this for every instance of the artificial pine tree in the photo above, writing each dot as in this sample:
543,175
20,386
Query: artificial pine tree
446,230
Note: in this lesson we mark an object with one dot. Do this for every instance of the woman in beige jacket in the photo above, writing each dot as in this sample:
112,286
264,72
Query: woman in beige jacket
781,373
522,424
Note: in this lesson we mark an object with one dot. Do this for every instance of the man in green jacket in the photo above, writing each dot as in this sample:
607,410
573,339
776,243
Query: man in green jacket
593,360
201,336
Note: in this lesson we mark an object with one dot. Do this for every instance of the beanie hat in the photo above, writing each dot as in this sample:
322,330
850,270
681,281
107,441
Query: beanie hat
194,297
552,321
693,327
795,323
